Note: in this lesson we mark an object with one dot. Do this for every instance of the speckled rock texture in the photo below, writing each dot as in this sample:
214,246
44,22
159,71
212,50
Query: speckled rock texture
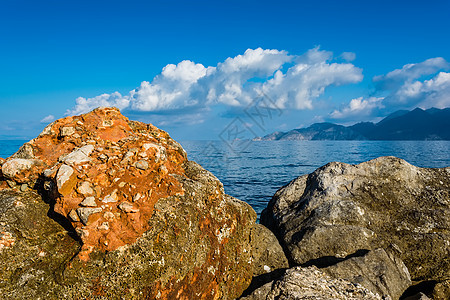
269,260
310,283
441,291
379,271
267,254
101,207
340,209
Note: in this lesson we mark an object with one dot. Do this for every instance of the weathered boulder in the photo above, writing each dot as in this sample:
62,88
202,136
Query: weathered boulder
310,283
340,209
147,223
379,271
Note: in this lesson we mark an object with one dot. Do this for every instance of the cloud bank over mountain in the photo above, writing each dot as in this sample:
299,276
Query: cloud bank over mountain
292,81
423,85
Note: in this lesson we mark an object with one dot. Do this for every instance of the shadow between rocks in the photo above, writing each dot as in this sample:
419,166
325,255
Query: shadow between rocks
425,287
327,261
260,280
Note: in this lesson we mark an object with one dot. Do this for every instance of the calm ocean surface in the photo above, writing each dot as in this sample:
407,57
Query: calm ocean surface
255,170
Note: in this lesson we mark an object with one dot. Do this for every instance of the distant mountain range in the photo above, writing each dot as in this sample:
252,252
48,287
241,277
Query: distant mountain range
418,124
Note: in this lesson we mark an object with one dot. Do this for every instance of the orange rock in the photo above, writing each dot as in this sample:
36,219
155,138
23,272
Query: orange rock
103,151
127,186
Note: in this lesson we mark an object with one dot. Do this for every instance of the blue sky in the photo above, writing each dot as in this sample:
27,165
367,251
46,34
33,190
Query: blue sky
192,67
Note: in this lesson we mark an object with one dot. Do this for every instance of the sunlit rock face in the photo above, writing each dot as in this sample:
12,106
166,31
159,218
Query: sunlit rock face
151,224
340,209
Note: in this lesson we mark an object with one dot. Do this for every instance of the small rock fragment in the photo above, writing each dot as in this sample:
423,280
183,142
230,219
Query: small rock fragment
137,197
66,131
128,207
85,188
104,226
109,215
127,157
82,233
11,183
49,172
111,197
142,164
74,216
13,167
419,296
107,123
79,156
89,202
64,174
7,240
23,187
85,212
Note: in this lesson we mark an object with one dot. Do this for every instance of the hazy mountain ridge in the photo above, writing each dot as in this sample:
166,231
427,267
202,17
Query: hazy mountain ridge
417,124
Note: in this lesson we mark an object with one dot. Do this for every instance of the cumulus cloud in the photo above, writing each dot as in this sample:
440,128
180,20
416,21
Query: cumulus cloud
358,108
48,119
293,81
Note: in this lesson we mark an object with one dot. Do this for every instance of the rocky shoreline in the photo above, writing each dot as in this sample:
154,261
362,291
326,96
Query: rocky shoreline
101,207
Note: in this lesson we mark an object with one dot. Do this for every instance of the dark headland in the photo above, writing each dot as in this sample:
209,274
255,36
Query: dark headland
415,125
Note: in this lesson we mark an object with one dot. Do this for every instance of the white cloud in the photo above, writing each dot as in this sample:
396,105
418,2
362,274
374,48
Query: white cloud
414,85
293,81
358,108
48,119
303,83
434,92
411,72
84,105
421,84
348,56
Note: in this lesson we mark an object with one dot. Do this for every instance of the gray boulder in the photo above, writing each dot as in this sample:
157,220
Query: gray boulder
340,209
